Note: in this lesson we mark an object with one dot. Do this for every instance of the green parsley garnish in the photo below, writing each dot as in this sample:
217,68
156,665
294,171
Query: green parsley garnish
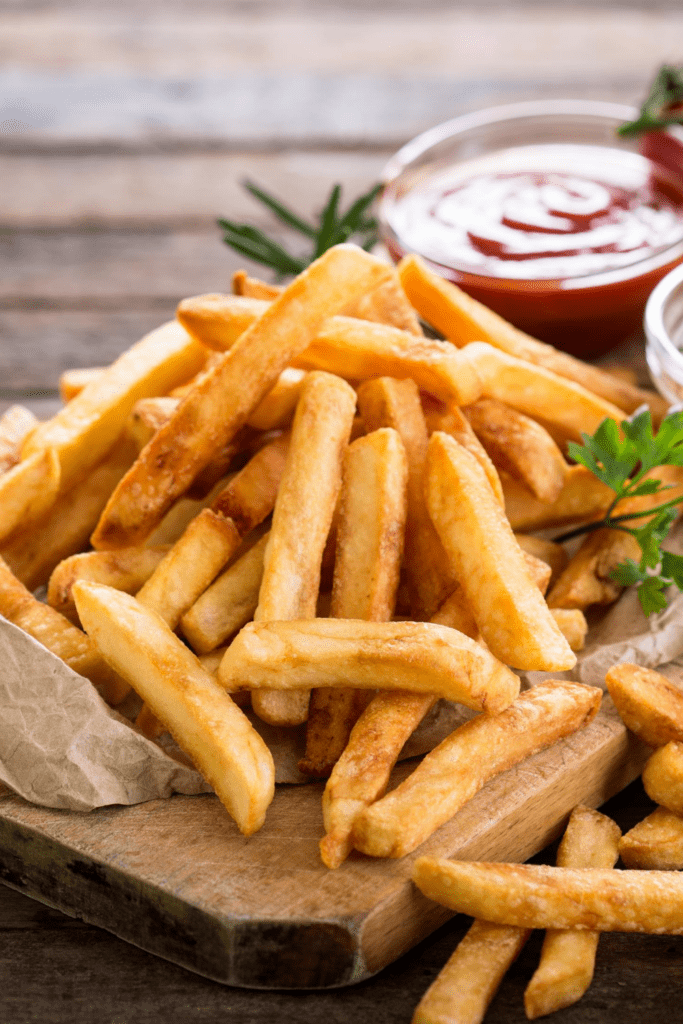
664,105
333,227
621,461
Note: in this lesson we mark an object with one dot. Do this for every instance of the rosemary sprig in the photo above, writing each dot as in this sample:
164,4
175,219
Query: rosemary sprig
332,228
663,106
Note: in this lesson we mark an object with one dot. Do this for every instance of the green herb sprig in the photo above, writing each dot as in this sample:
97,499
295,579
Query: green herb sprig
332,228
622,460
663,106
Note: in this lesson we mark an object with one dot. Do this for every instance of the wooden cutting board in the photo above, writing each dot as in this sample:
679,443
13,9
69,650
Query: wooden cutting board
176,878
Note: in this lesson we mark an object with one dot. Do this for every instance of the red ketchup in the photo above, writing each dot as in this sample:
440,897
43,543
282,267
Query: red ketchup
566,241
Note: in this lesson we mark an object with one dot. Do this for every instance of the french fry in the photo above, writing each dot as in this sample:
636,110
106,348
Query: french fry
470,979
572,624
200,716
253,287
301,521
53,631
583,498
275,411
547,550
462,319
655,843
452,421
520,446
663,777
15,425
149,415
488,562
463,763
27,491
537,896
210,415
227,604
86,429
72,382
387,304
126,569
370,535
649,705
180,515
539,572
568,957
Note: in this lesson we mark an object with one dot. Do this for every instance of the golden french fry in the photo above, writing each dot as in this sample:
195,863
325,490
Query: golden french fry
418,656
253,287
27,491
568,957
387,304
537,896
539,572
572,624
126,569
371,524
85,430
583,497
15,425
475,752
470,979
179,517
462,319
275,411
452,421
547,550
663,777
227,604
56,633
32,554
520,446
149,415
210,415
72,382
487,560
649,705
200,716
655,843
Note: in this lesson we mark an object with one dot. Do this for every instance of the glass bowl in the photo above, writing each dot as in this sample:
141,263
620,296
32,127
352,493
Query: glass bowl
664,336
585,314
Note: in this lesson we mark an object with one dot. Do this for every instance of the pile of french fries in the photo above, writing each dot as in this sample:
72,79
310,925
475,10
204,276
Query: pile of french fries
290,498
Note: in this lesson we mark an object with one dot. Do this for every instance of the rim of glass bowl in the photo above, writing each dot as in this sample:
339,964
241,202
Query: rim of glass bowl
663,358
530,110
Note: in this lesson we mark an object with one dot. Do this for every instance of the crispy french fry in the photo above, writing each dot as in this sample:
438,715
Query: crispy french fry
200,716
539,571
301,521
572,624
148,723
53,631
15,425
547,550
72,382
475,752
520,446
462,319
210,415
568,957
583,497
369,549
126,569
649,705
277,408
663,777
27,491
147,416
537,896
253,287
487,560
655,843
452,421
470,979
387,304
179,517
85,430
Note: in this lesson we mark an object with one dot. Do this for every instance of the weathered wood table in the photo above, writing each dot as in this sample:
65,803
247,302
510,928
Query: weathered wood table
125,130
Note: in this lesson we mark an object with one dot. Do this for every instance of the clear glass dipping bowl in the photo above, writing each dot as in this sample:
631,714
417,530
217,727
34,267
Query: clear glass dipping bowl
664,336
584,315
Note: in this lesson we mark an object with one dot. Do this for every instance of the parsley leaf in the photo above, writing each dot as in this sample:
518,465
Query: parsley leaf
663,106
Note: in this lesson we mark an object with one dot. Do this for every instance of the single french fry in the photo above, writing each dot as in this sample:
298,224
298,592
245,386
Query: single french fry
200,716
253,287
568,957
301,521
370,531
56,633
470,979
32,554
663,777
227,604
520,446
649,705
572,624
452,421
463,320
547,550
148,723
275,411
15,425
539,571
387,304
583,498
147,416
27,491
211,414
655,843
488,562
418,656
86,429
180,515
126,569
537,896
72,382
463,763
